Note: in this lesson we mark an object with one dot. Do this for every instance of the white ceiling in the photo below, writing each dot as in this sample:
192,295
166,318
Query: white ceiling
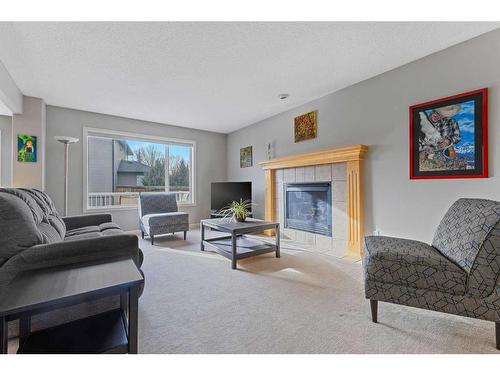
213,76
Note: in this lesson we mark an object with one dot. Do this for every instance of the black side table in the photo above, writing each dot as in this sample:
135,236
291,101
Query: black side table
114,331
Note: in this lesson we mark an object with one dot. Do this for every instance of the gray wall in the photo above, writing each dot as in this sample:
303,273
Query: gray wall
6,150
375,113
30,122
210,158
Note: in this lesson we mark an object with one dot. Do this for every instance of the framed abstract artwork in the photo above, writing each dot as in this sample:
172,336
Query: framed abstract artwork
305,126
26,148
449,137
246,157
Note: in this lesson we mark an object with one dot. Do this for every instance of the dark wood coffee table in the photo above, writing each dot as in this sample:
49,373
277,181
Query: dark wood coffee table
236,245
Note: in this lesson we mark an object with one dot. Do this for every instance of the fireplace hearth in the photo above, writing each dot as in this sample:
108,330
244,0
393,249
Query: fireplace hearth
308,207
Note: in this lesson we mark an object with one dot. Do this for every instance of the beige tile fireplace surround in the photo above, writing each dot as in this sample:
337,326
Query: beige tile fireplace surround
342,167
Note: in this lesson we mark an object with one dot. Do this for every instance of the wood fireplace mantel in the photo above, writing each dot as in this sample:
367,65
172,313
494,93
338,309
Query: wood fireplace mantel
352,156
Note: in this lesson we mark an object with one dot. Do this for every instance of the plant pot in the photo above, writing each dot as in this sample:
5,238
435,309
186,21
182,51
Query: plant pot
240,219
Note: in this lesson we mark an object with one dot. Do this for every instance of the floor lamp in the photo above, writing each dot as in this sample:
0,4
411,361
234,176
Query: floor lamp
66,141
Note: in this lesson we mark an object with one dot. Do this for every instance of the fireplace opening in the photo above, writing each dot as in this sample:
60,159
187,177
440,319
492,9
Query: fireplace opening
308,207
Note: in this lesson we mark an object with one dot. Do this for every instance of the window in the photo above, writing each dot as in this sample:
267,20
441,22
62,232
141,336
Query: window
121,165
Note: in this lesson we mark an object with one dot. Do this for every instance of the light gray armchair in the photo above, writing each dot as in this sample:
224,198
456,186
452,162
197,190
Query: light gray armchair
158,214
459,274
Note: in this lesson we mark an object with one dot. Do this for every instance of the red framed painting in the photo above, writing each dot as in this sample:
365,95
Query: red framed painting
449,137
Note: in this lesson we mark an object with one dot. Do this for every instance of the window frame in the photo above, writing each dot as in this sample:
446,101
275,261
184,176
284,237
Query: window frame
116,134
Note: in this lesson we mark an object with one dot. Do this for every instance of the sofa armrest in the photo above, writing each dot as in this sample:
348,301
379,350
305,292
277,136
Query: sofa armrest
73,222
99,249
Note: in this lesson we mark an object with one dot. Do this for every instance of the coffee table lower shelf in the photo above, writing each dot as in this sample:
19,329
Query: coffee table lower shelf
102,333
245,247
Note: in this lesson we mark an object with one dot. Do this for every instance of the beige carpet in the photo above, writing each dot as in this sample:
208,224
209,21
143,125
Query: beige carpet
301,303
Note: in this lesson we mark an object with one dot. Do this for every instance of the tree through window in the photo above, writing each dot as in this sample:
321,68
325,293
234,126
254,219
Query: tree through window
118,169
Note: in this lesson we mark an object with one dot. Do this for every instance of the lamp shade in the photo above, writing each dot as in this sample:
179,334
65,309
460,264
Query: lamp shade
66,140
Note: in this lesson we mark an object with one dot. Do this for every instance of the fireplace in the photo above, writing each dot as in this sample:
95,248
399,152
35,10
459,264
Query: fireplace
308,207
343,167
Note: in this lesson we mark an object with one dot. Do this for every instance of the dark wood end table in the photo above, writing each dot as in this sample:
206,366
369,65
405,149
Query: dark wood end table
31,293
236,245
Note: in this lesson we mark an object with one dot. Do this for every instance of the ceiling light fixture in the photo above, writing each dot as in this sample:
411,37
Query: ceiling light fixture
283,96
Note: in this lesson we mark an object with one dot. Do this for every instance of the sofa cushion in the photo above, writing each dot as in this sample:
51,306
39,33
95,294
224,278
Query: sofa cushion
411,263
47,220
83,230
47,205
464,228
111,232
58,224
49,233
83,236
105,229
36,211
106,226
19,227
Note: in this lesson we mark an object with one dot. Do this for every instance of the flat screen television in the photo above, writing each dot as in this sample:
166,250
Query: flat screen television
223,193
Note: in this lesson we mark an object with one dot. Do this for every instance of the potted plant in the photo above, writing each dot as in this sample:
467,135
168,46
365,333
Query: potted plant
238,210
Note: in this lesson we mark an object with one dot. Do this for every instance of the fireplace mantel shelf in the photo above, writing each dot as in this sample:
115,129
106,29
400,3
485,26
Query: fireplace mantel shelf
352,156
329,156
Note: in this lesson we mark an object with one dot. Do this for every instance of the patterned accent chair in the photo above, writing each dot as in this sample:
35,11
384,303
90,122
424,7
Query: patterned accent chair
159,215
459,274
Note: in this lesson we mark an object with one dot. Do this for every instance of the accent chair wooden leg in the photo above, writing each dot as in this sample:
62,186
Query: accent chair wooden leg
497,334
185,235
374,306
142,234
152,240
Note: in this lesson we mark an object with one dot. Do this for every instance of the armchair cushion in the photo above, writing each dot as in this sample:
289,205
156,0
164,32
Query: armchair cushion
165,223
169,218
413,264
485,273
157,203
464,228
469,234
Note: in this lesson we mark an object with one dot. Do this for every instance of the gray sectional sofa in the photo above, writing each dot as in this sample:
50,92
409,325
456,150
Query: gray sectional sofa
458,274
33,236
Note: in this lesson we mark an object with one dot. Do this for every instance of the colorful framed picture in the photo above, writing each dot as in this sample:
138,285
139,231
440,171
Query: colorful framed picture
26,148
246,159
449,137
306,126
